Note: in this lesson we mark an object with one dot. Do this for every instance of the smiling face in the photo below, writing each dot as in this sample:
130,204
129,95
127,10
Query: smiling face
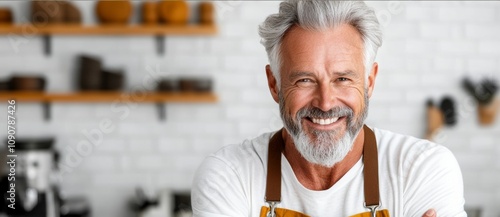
323,97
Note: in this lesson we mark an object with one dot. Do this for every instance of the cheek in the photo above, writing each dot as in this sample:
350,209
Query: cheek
296,100
354,98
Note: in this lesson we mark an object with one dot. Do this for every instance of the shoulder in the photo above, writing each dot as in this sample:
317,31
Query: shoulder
222,184
408,150
250,151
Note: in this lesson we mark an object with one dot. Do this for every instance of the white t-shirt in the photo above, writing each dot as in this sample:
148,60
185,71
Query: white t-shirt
415,175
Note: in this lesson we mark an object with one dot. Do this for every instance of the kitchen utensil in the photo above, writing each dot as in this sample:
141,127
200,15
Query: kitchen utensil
487,113
5,16
114,12
484,93
182,204
174,12
149,12
112,79
448,109
89,77
27,83
435,120
207,13
36,193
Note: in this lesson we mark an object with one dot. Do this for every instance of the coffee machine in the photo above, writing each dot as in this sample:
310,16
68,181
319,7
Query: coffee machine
33,191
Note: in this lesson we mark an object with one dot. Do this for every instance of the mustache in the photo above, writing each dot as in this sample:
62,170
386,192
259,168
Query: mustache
314,112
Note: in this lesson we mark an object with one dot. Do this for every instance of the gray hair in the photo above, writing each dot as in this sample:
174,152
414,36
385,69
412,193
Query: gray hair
318,15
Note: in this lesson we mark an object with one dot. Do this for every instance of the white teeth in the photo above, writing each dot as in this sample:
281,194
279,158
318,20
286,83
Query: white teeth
324,121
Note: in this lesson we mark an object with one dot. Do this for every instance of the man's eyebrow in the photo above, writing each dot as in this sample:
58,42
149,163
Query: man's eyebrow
298,74
346,73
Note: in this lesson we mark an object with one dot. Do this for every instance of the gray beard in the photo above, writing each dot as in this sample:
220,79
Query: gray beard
327,148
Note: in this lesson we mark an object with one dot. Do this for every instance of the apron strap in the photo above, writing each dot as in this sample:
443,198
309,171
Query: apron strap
273,185
370,170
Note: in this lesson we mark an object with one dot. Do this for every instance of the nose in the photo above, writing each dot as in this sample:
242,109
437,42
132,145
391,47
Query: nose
324,97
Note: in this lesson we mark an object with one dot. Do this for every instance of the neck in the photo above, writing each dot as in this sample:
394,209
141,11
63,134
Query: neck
317,177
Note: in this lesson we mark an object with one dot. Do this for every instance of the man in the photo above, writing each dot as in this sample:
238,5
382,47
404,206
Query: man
322,73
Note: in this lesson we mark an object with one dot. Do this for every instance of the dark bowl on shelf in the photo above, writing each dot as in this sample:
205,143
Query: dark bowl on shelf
27,83
168,85
90,75
195,84
112,79
4,85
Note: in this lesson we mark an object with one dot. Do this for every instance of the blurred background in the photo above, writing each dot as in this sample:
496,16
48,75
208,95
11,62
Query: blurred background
171,83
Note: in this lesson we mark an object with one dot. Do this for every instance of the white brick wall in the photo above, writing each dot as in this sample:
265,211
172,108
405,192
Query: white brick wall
428,48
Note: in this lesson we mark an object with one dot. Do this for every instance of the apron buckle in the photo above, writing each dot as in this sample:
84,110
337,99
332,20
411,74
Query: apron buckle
272,207
373,209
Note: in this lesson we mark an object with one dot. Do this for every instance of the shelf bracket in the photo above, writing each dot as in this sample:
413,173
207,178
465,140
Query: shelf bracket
160,44
46,110
47,44
162,114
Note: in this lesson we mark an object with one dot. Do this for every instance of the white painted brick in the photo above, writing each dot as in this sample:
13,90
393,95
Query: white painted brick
228,11
149,162
224,46
448,64
405,114
178,45
481,31
21,45
121,180
467,14
187,163
236,30
173,144
473,160
179,180
201,112
435,30
112,145
99,163
419,13
482,143
253,46
482,65
235,80
258,11
458,47
207,144
201,128
257,96
246,64
489,47
387,96
142,145
422,47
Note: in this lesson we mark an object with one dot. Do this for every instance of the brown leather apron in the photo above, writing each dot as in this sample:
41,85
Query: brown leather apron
370,173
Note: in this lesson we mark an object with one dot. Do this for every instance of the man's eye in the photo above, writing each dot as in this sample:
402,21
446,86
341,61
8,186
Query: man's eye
343,79
304,80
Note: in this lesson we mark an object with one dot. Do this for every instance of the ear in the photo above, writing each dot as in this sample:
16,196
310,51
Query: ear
371,78
271,82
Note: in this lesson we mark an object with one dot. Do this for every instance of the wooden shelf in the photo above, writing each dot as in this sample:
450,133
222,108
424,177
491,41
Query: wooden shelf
160,31
53,29
100,96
